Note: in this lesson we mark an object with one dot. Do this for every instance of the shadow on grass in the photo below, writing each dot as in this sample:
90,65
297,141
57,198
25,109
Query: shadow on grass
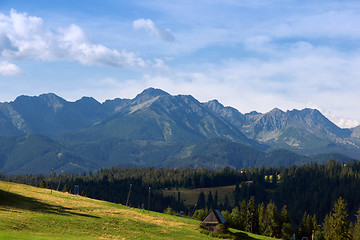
242,236
8,199
238,235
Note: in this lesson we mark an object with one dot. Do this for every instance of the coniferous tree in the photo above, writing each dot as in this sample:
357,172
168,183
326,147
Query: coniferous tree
284,216
326,227
273,224
236,218
286,227
262,218
210,201
250,214
42,184
336,225
356,229
226,203
306,226
237,195
216,199
65,189
243,214
200,204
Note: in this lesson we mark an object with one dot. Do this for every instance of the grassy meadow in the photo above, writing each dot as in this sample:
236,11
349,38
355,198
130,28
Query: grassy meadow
28,212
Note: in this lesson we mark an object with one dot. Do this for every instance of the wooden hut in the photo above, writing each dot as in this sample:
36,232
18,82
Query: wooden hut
213,219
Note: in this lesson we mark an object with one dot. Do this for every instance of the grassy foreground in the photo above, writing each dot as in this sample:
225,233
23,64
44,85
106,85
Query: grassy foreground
28,212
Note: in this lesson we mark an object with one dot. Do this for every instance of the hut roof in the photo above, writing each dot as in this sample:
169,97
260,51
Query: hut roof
214,217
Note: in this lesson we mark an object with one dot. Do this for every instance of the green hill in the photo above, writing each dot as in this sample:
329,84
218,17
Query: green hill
34,213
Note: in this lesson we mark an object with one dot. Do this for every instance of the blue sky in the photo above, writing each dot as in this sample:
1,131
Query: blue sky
248,54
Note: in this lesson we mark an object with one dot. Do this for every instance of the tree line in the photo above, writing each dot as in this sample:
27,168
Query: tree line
307,191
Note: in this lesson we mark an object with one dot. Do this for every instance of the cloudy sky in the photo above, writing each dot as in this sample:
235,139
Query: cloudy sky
248,54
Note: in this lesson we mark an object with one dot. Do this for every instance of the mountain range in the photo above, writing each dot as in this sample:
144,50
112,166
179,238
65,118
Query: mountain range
47,133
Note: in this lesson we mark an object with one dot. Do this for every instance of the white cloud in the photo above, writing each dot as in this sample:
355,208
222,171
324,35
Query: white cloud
9,69
299,74
23,36
347,123
149,26
160,64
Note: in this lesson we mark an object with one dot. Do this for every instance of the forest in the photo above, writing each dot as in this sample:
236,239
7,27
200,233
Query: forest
308,199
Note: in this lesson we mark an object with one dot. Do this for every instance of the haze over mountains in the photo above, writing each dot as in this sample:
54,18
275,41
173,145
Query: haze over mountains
157,129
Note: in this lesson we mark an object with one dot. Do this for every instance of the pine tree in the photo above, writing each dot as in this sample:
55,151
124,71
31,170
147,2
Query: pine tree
286,227
327,227
273,225
243,214
226,203
236,218
42,184
201,201
306,226
250,214
210,201
237,195
65,189
262,218
284,215
356,229
216,199
336,226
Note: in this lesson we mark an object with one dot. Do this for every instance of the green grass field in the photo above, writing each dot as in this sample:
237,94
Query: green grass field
34,213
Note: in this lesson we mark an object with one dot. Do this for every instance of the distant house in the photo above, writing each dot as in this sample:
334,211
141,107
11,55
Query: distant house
213,219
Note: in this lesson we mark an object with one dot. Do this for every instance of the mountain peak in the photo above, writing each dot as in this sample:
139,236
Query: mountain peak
214,104
49,99
253,113
152,92
276,111
89,100
148,94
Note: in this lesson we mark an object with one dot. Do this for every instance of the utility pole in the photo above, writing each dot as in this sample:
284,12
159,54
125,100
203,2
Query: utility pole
149,199
52,175
127,201
193,210
312,235
251,221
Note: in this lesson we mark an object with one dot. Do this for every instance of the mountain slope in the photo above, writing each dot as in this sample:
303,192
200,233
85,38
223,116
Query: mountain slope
38,154
306,131
38,134
157,116
49,114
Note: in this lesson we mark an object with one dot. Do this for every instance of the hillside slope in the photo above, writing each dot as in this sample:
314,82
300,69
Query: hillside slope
33,213
42,155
